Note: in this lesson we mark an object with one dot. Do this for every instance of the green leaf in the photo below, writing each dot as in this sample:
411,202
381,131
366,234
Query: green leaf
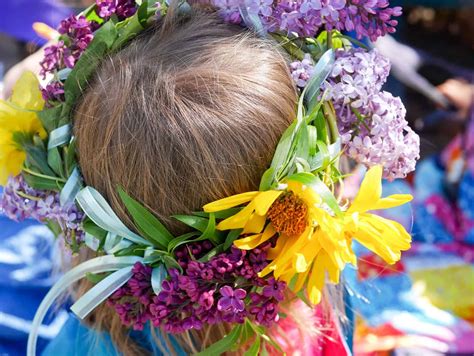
312,138
224,344
96,277
55,162
146,222
76,82
320,123
210,232
196,222
50,117
91,228
170,262
267,179
231,237
321,71
178,241
319,187
41,183
54,227
254,349
91,14
70,157
215,251
38,159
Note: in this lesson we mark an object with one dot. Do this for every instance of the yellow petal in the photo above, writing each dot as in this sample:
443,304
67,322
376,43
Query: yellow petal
250,242
26,93
255,224
300,281
281,244
229,202
392,201
333,270
369,192
304,259
264,201
372,239
237,221
316,281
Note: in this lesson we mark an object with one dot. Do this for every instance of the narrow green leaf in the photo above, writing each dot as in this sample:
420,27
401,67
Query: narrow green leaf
231,237
196,222
50,117
319,187
96,277
224,344
42,183
91,228
178,241
321,71
38,158
267,179
55,162
254,349
70,157
215,251
312,138
146,222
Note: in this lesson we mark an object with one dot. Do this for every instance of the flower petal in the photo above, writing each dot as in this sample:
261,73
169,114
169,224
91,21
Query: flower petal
229,202
369,192
250,242
237,221
264,200
392,201
26,93
316,281
255,224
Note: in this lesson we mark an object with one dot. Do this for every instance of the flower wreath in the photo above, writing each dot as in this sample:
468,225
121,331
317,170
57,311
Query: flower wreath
242,252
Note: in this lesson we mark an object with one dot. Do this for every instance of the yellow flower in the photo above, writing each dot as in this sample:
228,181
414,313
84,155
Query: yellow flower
311,241
18,116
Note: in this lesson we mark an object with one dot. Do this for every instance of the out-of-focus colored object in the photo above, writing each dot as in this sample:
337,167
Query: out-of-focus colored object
18,16
424,305
44,31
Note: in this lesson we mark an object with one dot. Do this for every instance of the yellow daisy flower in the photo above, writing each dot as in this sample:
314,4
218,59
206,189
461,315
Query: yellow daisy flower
18,115
311,240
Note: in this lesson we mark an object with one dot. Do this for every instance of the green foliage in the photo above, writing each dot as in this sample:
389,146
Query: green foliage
149,226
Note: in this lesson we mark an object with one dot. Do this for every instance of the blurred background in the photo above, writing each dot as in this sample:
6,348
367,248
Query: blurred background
424,305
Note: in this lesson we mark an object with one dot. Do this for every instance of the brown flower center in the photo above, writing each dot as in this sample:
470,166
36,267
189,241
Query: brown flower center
288,214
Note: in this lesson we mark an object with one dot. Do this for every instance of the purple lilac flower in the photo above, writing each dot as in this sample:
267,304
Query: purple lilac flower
80,33
371,122
20,201
231,300
368,18
52,92
122,8
228,10
132,300
302,70
221,289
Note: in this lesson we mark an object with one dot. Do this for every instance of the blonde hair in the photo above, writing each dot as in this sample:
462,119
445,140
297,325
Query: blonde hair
189,112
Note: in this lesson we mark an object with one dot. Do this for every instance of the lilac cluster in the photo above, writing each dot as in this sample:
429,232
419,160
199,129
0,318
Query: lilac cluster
302,70
53,92
20,201
224,289
132,301
368,18
121,8
77,33
371,122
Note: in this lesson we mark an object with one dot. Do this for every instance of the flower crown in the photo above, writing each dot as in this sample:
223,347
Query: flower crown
245,251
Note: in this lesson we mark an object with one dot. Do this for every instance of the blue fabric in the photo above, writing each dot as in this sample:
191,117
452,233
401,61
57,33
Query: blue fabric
75,339
26,251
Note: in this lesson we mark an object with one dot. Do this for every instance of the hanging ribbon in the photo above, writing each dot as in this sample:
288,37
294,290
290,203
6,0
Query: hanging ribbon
95,265
71,188
101,291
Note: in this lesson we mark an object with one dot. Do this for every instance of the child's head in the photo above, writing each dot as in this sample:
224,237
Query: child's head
189,112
